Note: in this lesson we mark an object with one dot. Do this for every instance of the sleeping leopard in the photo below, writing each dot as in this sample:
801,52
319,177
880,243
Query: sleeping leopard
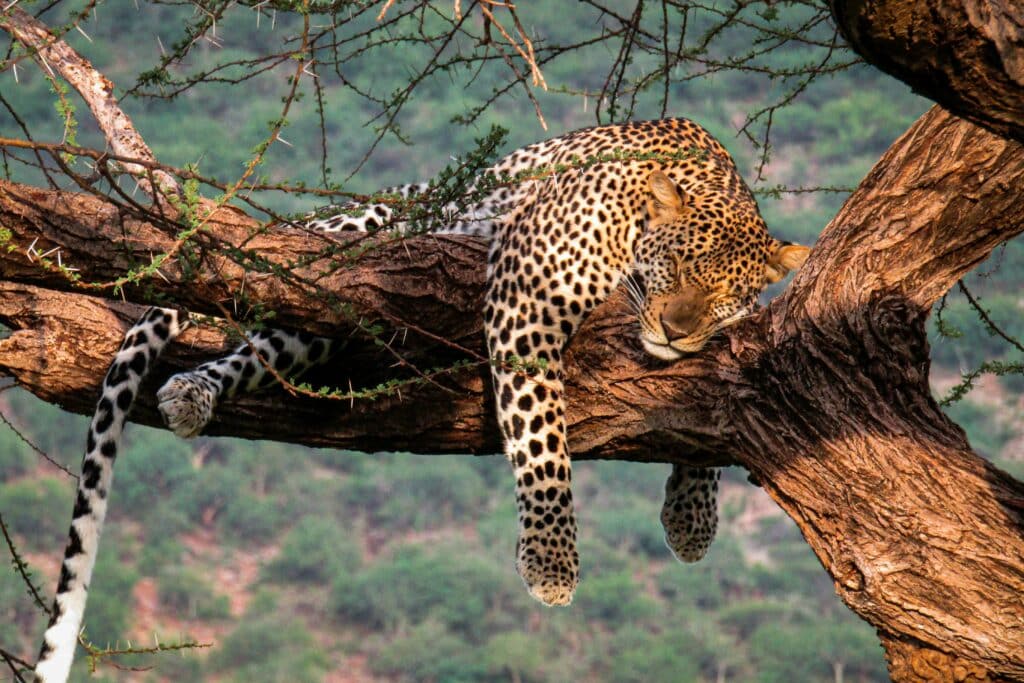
656,205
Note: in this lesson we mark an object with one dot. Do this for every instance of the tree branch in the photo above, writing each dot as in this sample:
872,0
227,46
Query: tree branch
52,53
967,55
823,396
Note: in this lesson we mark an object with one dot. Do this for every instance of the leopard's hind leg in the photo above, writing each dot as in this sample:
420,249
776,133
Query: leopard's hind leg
690,512
187,400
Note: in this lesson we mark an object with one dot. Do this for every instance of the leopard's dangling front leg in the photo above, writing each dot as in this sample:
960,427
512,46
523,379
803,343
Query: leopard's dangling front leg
532,419
531,412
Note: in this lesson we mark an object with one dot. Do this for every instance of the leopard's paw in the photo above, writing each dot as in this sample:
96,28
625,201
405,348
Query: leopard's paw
690,512
550,569
186,402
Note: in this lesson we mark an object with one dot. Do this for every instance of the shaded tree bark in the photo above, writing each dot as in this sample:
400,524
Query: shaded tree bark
967,55
823,396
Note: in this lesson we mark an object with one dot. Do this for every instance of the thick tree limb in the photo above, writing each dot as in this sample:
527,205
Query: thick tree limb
823,396
54,55
848,337
967,55
435,284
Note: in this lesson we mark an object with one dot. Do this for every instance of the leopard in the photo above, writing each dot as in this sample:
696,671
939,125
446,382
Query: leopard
657,207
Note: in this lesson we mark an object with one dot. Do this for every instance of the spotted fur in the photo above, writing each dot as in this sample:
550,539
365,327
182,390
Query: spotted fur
140,350
657,203
188,399
690,512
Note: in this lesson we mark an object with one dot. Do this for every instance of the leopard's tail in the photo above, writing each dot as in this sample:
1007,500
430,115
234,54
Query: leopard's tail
143,344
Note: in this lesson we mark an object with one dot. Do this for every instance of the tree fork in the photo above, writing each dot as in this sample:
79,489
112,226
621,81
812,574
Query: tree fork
823,396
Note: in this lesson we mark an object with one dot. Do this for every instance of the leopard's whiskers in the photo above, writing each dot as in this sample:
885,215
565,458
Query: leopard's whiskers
635,293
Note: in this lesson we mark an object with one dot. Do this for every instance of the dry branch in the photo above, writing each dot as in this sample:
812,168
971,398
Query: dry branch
55,57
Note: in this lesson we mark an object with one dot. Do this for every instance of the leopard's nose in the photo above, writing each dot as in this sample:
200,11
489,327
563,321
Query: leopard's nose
682,315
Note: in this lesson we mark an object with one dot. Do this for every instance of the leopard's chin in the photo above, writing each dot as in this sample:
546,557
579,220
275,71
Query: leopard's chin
661,351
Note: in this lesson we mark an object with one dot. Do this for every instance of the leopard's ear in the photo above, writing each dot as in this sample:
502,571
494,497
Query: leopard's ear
783,258
665,201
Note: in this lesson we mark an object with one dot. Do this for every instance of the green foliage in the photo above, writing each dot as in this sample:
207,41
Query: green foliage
712,582
644,480
812,652
176,666
185,593
36,420
251,519
641,656
38,510
986,430
787,654
109,612
16,456
157,465
744,617
429,652
211,491
19,613
414,493
303,496
315,551
634,529
413,584
158,551
518,656
269,649
606,559
614,598
1015,468
422,495
966,342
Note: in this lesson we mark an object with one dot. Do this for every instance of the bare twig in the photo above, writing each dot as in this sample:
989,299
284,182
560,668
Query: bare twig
989,323
22,568
15,664
39,451
526,50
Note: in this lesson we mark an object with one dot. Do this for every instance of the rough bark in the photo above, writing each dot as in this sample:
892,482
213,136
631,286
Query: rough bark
909,661
967,55
823,396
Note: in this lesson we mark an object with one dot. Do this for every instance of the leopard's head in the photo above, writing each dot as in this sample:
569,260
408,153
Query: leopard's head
703,261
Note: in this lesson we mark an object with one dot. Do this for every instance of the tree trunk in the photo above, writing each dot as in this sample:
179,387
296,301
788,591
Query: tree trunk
823,396
967,55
